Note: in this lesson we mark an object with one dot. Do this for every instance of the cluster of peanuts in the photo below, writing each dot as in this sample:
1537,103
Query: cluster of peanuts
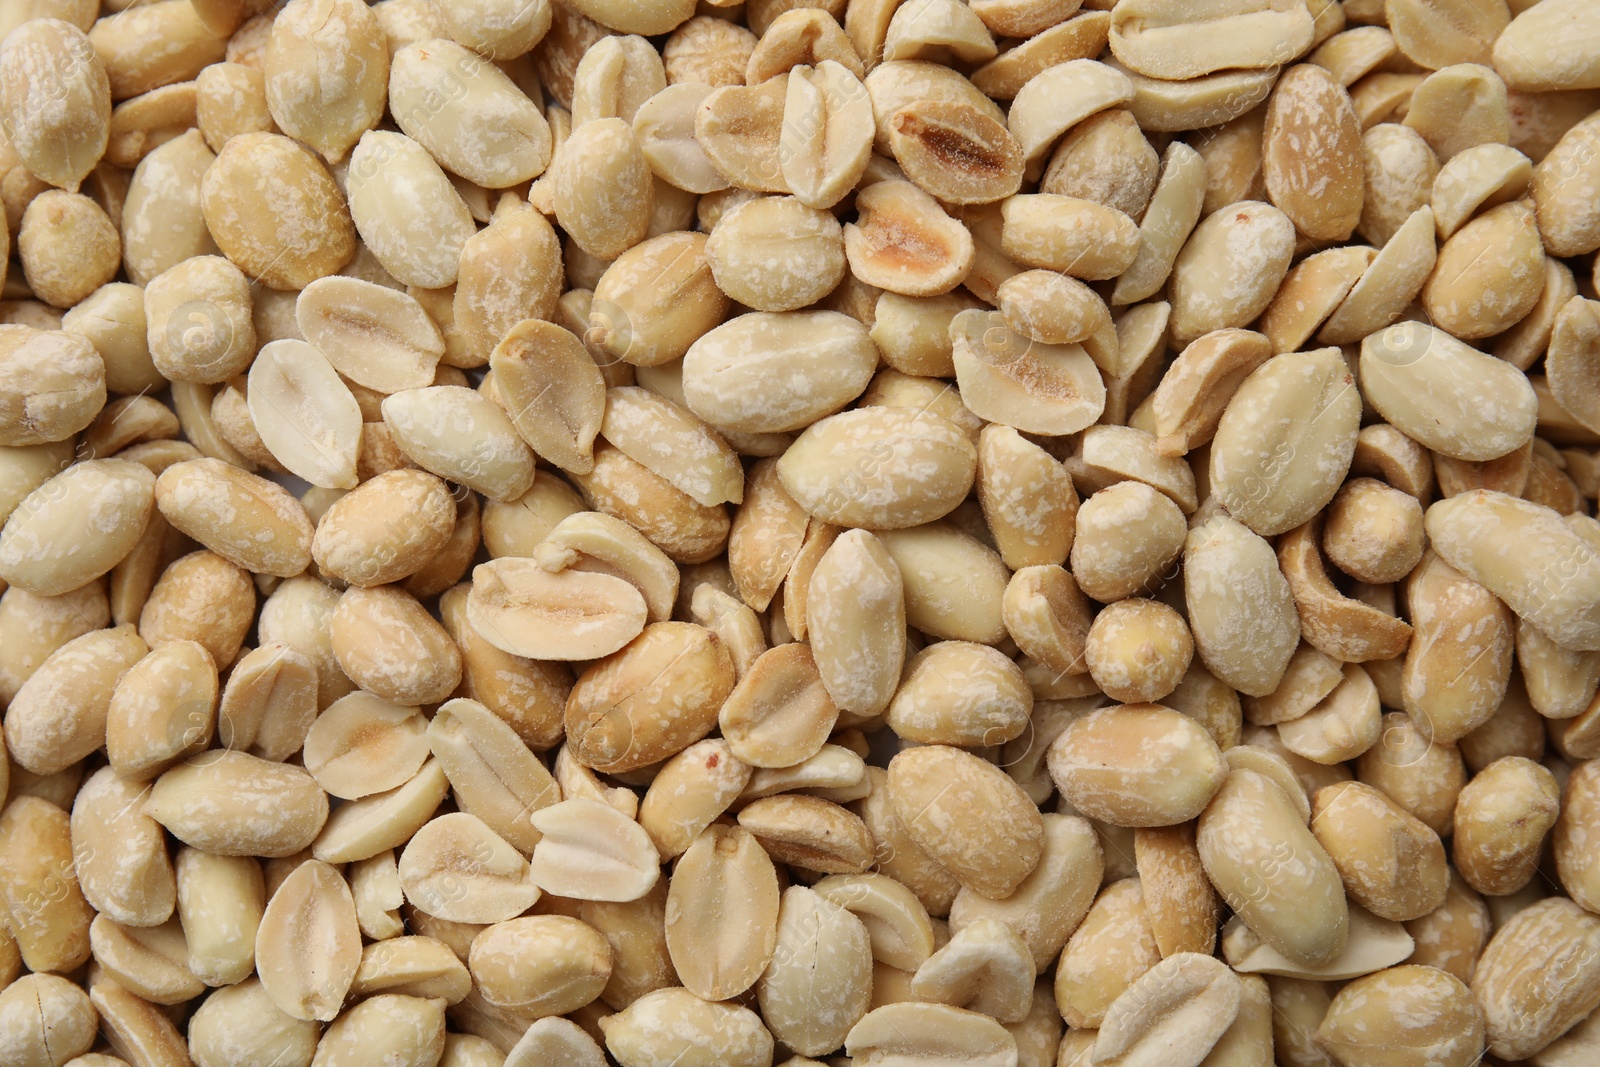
887,533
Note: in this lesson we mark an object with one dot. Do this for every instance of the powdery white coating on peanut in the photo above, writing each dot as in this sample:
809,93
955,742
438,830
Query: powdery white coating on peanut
768,372
1241,611
275,211
968,815
245,519
52,384
777,254
882,468
234,804
856,616
1137,765
1530,558
603,188
1229,269
460,435
468,113
1400,169
960,693
59,714
673,443
1538,976
1489,273
327,72
45,1019
1285,441
673,1026
819,982
55,100
1128,534
76,526
650,700
954,585
406,210
1411,1007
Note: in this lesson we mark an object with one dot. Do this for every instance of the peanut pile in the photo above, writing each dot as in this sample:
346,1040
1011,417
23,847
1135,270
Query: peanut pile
887,533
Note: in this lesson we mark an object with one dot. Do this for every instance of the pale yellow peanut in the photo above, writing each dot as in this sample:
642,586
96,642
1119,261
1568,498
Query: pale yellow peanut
683,528
1537,976
1401,170
1421,777
674,444
1007,378
1128,534
881,468
574,963
364,828
954,585
1473,297
1337,625
147,961
295,229
51,61
220,903
674,1026
48,916
234,804
1229,268
1401,1007
776,254
241,1020
1391,862
468,114
819,942
326,74
32,627
1271,871
590,851
1527,588
1373,532
162,710
75,526
1501,820
58,716
729,370
205,497
456,868
68,247
1209,100
1106,159
810,832
925,785
459,435
406,210
45,1019
1090,975
1342,726
1137,650
405,1029
615,718
162,223
1458,107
